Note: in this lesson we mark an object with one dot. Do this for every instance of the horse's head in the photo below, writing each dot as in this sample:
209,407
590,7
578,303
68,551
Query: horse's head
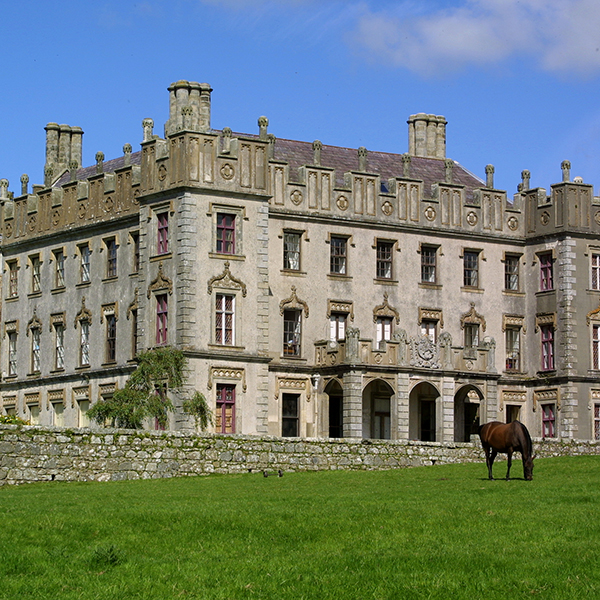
528,468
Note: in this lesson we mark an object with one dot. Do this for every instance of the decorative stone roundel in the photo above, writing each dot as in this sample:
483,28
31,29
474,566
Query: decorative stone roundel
296,197
8,230
513,223
545,218
430,213
472,218
162,173
342,202
387,208
227,171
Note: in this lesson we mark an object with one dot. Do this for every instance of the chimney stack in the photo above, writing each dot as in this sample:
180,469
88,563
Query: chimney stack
427,136
189,107
63,147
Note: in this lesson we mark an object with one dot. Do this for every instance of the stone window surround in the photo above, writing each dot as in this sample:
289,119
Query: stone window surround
10,263
395,248
30,265
349,244
53,260
239,212
519,256
79,257
303,235
104,248
438,253
480,257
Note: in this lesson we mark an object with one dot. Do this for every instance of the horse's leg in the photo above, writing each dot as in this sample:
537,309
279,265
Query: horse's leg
509,464
491,463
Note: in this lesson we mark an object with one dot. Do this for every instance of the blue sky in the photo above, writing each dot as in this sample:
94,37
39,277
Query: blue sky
517,80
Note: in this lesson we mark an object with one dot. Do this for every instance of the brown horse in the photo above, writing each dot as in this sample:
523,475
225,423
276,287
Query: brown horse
507,438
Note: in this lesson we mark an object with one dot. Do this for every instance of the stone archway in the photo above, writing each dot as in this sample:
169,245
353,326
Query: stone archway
335,409
422,412
377,410
467,402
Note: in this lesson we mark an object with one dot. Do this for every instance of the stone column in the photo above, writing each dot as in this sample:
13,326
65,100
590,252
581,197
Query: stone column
352,414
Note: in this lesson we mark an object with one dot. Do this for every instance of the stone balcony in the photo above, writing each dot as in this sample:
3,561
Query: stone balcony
403,351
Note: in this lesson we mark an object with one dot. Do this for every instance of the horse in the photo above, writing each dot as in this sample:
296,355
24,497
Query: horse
507,438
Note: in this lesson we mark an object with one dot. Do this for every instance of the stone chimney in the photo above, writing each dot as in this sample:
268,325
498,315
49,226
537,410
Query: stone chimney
63,148
427,136
189,107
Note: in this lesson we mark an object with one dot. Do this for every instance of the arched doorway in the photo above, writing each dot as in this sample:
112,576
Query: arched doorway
422,417
336,408
467,401
377,410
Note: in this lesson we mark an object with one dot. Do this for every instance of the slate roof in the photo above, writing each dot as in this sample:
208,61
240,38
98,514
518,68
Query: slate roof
343,160
387,165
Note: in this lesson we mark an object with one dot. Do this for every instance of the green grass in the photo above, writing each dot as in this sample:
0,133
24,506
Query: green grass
437,532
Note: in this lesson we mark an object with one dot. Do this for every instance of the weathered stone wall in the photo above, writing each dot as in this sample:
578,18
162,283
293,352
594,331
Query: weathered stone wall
33,453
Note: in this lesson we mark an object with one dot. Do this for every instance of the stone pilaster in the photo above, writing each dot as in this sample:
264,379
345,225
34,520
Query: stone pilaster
402,405
353,404
445,410
187,234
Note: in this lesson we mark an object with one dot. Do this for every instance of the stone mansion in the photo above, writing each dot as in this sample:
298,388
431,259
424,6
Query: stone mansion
316,291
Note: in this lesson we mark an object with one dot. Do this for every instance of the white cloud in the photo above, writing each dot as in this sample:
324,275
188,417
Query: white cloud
560,35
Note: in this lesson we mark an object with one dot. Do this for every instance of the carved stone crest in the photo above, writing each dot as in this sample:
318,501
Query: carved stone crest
472,218
424,353
387,208
296,197
513,223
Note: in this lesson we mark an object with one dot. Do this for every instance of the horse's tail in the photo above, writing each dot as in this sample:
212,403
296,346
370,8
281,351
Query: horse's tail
528,442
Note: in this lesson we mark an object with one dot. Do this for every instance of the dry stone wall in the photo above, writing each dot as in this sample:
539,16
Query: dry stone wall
33,453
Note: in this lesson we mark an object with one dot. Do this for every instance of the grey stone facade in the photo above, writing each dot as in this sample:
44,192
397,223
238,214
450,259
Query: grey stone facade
317,291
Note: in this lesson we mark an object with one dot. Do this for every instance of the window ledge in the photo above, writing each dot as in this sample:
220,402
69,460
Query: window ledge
34,375
545,292
57,370
82,367
110,363
58,290
385,281
294,359
516,293
474,290
83,284
11,299
293,272
227,256
430,286
34,294
339,276
227,347
109,279
156,257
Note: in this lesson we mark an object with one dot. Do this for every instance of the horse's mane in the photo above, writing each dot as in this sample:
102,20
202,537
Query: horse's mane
527,438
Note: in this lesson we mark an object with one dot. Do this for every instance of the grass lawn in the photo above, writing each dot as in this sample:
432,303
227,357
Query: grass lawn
433,532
